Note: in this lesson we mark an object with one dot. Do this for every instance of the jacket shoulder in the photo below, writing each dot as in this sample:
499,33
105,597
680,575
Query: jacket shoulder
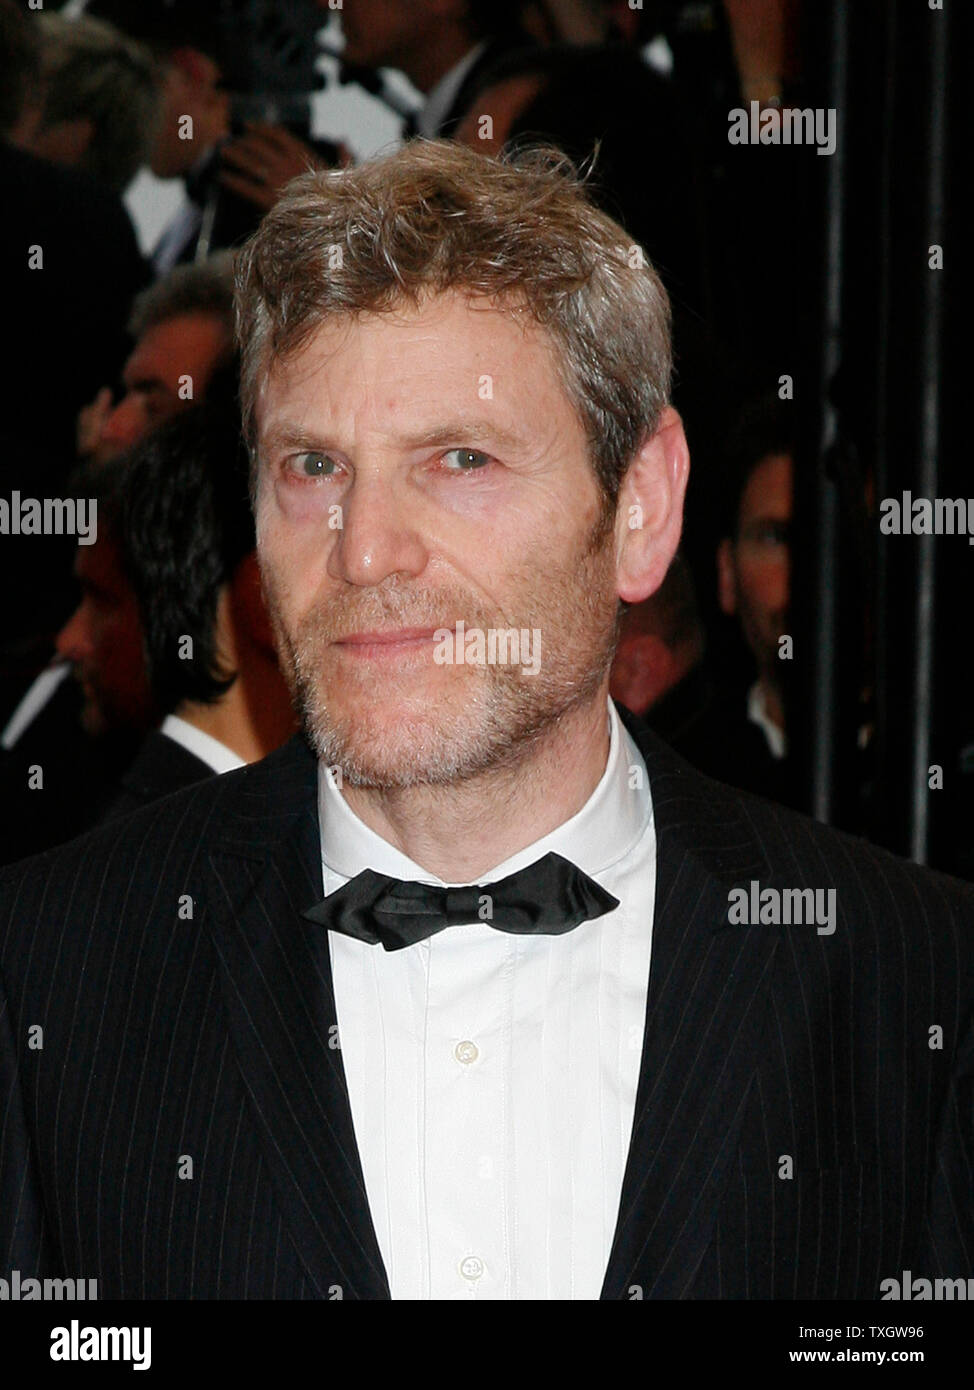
248,807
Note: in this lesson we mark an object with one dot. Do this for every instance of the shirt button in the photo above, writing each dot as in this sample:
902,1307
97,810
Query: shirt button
466,1052
472,1267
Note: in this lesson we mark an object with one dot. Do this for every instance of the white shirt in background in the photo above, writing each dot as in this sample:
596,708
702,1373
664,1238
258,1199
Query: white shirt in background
207,748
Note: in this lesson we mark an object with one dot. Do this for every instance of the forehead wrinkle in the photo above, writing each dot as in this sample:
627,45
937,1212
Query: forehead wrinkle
438,416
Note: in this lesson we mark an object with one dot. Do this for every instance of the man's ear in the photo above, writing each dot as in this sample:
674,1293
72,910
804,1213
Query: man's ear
224,627
726,587
649,516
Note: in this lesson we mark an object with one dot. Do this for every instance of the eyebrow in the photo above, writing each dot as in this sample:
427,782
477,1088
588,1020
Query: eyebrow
457,432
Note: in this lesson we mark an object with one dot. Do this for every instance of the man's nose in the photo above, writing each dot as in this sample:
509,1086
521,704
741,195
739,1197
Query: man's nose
379,535
123,427
73,642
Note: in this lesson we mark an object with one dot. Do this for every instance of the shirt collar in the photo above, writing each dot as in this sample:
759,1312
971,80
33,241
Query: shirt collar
596,837
757,712
441,98
204,746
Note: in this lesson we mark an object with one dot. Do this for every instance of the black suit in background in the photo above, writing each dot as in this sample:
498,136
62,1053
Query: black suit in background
710,727
66,324
160,767
68,316
86,780
168,1039
80,777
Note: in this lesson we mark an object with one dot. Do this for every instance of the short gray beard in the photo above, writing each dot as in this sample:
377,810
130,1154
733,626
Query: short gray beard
494,727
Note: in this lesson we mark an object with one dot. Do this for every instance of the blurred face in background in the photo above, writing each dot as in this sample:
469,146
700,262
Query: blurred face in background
189,345
191,87
754,568
103,641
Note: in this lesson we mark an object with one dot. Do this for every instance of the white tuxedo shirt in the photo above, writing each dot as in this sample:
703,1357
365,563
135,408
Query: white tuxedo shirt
492,1077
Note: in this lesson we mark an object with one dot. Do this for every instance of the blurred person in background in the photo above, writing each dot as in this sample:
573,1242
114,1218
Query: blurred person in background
740,736
753,567
69,270
170,630
442,46
184,350
183,332
98,103
188,44
659,657
188,548
102,640
81,722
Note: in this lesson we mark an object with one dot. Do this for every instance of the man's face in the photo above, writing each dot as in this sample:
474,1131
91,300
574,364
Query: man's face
385,33
754,569
103,641
191,87
443,441
187,345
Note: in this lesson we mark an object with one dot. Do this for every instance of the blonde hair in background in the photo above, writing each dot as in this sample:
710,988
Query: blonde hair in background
90,70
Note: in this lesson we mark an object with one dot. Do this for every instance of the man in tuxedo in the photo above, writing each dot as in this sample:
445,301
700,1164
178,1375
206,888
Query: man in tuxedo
174,670
183,332
69,267
189,44
443,46
187,534
476,990
738,733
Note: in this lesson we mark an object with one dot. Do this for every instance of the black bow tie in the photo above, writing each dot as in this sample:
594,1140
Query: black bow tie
548,897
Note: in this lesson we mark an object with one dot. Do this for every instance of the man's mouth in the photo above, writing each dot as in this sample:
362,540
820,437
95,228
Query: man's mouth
387,641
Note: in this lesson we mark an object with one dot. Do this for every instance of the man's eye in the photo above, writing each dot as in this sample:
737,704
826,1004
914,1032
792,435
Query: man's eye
312,465
468,460
157,403
772,533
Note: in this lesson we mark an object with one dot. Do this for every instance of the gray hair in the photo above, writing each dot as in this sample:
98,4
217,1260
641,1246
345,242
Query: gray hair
203,288
436,216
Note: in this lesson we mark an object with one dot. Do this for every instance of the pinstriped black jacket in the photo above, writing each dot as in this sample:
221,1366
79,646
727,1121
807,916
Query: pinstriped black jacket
180,1127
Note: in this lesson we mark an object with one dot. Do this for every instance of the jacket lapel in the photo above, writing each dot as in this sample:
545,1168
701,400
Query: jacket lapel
277,988
706,1006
